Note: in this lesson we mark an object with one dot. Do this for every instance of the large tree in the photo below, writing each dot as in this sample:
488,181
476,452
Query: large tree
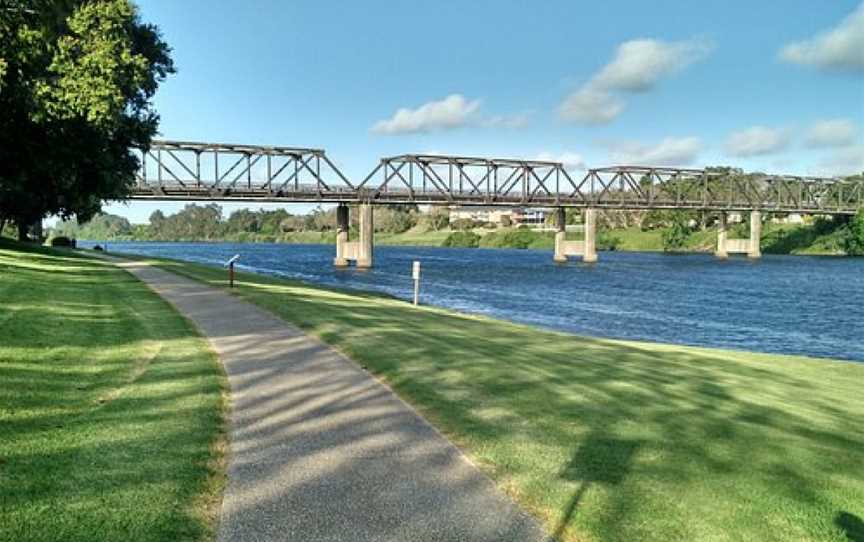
76,82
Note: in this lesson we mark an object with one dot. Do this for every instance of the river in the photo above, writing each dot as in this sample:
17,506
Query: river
784,304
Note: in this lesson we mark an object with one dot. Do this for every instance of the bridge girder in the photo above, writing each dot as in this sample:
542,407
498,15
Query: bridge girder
176,170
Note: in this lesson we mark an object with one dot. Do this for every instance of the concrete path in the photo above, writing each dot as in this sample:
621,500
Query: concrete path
320,450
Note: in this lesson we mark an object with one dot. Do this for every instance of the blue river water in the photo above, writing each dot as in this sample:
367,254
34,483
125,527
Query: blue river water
786,304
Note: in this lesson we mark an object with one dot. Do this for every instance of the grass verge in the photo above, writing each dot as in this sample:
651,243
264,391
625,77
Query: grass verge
610,440
112,407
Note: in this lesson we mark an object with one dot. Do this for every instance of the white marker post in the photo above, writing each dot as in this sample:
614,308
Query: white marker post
230,265
415,274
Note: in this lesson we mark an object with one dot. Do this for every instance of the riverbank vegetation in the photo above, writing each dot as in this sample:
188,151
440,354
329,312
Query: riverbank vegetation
638,231
604,439
111,407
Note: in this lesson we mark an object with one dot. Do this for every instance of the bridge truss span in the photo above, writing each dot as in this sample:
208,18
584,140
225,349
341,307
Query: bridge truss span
463,180
217,171
172,170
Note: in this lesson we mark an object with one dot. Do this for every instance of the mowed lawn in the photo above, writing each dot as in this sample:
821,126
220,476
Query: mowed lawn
111,407
612,440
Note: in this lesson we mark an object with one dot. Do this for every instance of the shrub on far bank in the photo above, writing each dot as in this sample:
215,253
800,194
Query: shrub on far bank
62,241
518,238
676,235
607,241
853,238
462,239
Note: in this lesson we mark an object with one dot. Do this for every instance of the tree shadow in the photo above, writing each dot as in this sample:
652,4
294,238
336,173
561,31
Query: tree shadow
851,525
599,459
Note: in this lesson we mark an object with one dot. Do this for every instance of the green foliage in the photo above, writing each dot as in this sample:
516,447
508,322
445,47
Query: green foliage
62,241
676,235
518,238
464,224
394,219
659,218
437,219
462,239
853,239
77,84
606,240
101,227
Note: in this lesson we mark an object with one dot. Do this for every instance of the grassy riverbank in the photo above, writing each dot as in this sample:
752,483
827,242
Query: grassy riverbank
111,407
611,440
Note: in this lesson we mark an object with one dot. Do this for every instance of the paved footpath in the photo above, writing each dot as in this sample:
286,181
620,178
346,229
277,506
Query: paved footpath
320,450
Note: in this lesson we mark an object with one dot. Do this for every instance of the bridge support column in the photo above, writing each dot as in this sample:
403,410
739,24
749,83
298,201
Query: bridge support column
722,234
755,250
560,236
364,249
342,226
590,248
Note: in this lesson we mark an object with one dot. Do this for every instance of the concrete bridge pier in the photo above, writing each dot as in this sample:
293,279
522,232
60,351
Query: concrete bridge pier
722,233
560,236
586,248
755,249
367,230
750,246
342,227
358,251
589,218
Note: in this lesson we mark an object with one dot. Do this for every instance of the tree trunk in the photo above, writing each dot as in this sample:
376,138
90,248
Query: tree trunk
22,233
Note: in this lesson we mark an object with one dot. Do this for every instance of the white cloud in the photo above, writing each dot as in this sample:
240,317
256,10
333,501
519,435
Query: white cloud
832,133
672,151
571,160
756,141
451,112
637,67
838,49
639,64
519,120
590,106
846,161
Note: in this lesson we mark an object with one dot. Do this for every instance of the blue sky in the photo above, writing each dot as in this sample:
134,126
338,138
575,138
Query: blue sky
773,85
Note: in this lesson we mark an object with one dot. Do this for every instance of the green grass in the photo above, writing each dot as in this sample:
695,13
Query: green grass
611,440
418,236
111,407
800,239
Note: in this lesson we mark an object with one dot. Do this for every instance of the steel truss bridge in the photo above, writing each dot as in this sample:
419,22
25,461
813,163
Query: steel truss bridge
175,170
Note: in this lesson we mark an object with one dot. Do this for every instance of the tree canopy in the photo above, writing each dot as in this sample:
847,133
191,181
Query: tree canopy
76,82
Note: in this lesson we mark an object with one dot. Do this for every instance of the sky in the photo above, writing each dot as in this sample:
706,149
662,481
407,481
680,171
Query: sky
775,85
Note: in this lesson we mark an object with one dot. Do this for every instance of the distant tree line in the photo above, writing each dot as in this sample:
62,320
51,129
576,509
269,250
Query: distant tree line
207,223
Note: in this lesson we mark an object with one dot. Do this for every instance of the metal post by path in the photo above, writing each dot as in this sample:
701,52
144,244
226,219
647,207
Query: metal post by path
415,274
230,265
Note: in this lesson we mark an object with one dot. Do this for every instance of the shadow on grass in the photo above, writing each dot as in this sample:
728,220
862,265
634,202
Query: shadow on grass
851,525
599,459
109,405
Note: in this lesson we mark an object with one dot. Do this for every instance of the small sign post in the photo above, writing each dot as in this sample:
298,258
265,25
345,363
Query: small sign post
230,265
415,274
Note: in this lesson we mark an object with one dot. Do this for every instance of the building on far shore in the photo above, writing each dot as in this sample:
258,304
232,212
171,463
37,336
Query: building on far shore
501,216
